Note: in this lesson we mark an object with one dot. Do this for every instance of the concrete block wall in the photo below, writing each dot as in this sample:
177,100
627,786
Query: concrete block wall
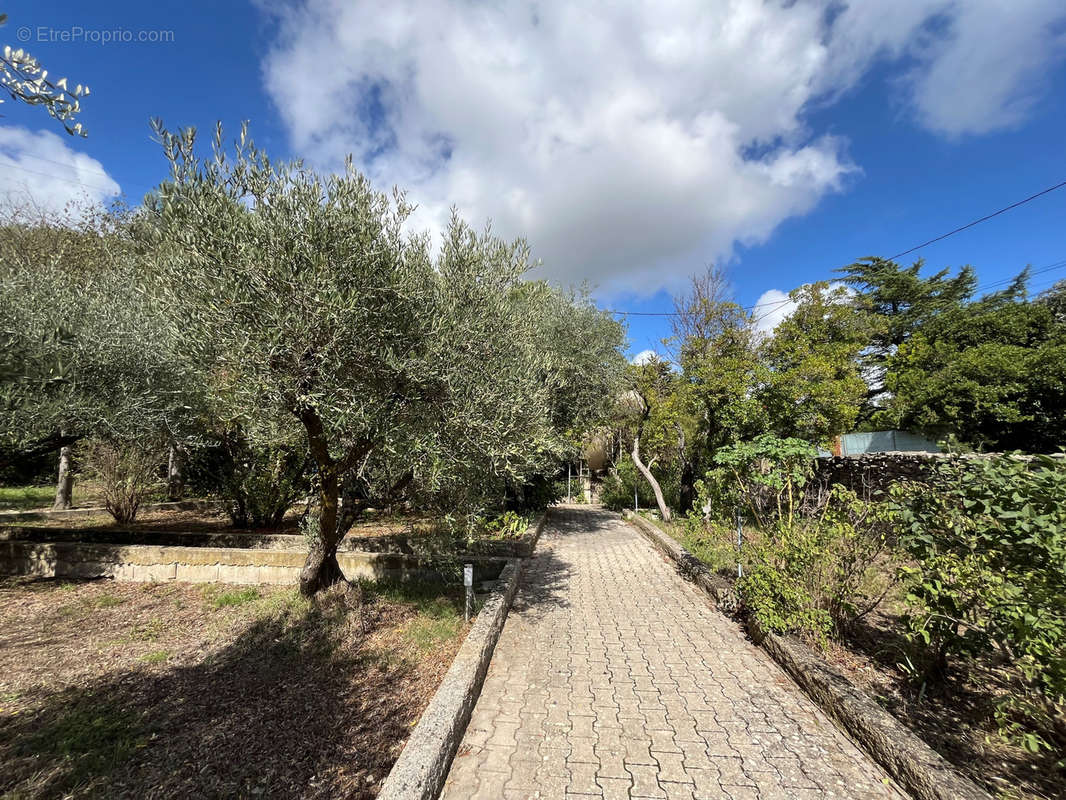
146,563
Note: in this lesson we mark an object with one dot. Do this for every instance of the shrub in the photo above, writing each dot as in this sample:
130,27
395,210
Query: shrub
811,556
261,483
987,574
766,479
128,472
535,494
819,573
507,525
711,541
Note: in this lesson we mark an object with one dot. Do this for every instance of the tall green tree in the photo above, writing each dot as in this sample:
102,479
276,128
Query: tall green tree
896,301
82,353
991,373
814,387
717,348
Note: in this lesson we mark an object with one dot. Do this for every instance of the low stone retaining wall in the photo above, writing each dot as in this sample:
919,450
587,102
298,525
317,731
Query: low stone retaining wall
420,771
392,544
200,564
915,765
518,547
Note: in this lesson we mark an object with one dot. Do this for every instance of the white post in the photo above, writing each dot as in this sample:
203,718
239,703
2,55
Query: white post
568,495
740,546
468,582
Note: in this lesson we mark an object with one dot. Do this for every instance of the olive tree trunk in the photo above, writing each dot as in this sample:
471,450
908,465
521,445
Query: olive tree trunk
65,481
175,479
321,568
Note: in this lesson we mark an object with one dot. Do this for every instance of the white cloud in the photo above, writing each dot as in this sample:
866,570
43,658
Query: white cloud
41,168
645,356
631,143
774,306
771,309
986,72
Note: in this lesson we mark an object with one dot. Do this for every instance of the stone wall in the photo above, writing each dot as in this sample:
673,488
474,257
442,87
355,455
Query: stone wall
876,472
146,563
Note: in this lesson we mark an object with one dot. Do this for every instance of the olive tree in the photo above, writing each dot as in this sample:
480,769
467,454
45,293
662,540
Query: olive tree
301,301
24,79
82,351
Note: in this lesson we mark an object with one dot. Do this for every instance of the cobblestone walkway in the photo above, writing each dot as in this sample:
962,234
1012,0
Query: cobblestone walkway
614,678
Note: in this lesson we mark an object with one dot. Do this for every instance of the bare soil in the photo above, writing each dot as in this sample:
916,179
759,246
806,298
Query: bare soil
955,719
112,689
171,520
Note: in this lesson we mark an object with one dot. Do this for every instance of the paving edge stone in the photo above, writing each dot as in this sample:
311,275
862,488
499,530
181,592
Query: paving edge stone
420,771
915,765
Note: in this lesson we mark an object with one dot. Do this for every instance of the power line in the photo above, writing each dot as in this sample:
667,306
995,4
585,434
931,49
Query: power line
777,303
890,258
772,304
979,221
66,164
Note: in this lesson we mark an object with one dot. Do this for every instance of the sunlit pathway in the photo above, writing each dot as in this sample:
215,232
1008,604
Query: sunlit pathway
615,678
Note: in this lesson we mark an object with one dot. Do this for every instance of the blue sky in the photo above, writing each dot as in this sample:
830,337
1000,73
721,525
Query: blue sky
632,147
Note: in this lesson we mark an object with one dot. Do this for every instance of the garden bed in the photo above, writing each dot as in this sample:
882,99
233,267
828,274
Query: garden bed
380,533
955,719
133,690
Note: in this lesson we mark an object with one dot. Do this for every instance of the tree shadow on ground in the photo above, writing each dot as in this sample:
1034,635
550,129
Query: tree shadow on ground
955,717
288,709
546,578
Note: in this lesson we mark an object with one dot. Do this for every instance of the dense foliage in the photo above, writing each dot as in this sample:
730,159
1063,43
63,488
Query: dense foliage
811,549
986,571
286,330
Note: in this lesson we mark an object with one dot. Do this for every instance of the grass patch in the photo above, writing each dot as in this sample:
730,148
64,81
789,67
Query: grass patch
427,597
90,738
231,597
108,601
24,498
713,544
155,657
148,632
425,632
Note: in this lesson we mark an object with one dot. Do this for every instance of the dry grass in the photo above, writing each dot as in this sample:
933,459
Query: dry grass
134,690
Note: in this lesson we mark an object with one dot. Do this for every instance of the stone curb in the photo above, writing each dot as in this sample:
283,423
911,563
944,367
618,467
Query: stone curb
73,513
420,771
532,534
915,765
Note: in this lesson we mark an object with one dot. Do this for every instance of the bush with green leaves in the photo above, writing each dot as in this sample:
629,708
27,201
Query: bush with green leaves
765,479
986,576
811,551
261,483
508,525
535,494
818,573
